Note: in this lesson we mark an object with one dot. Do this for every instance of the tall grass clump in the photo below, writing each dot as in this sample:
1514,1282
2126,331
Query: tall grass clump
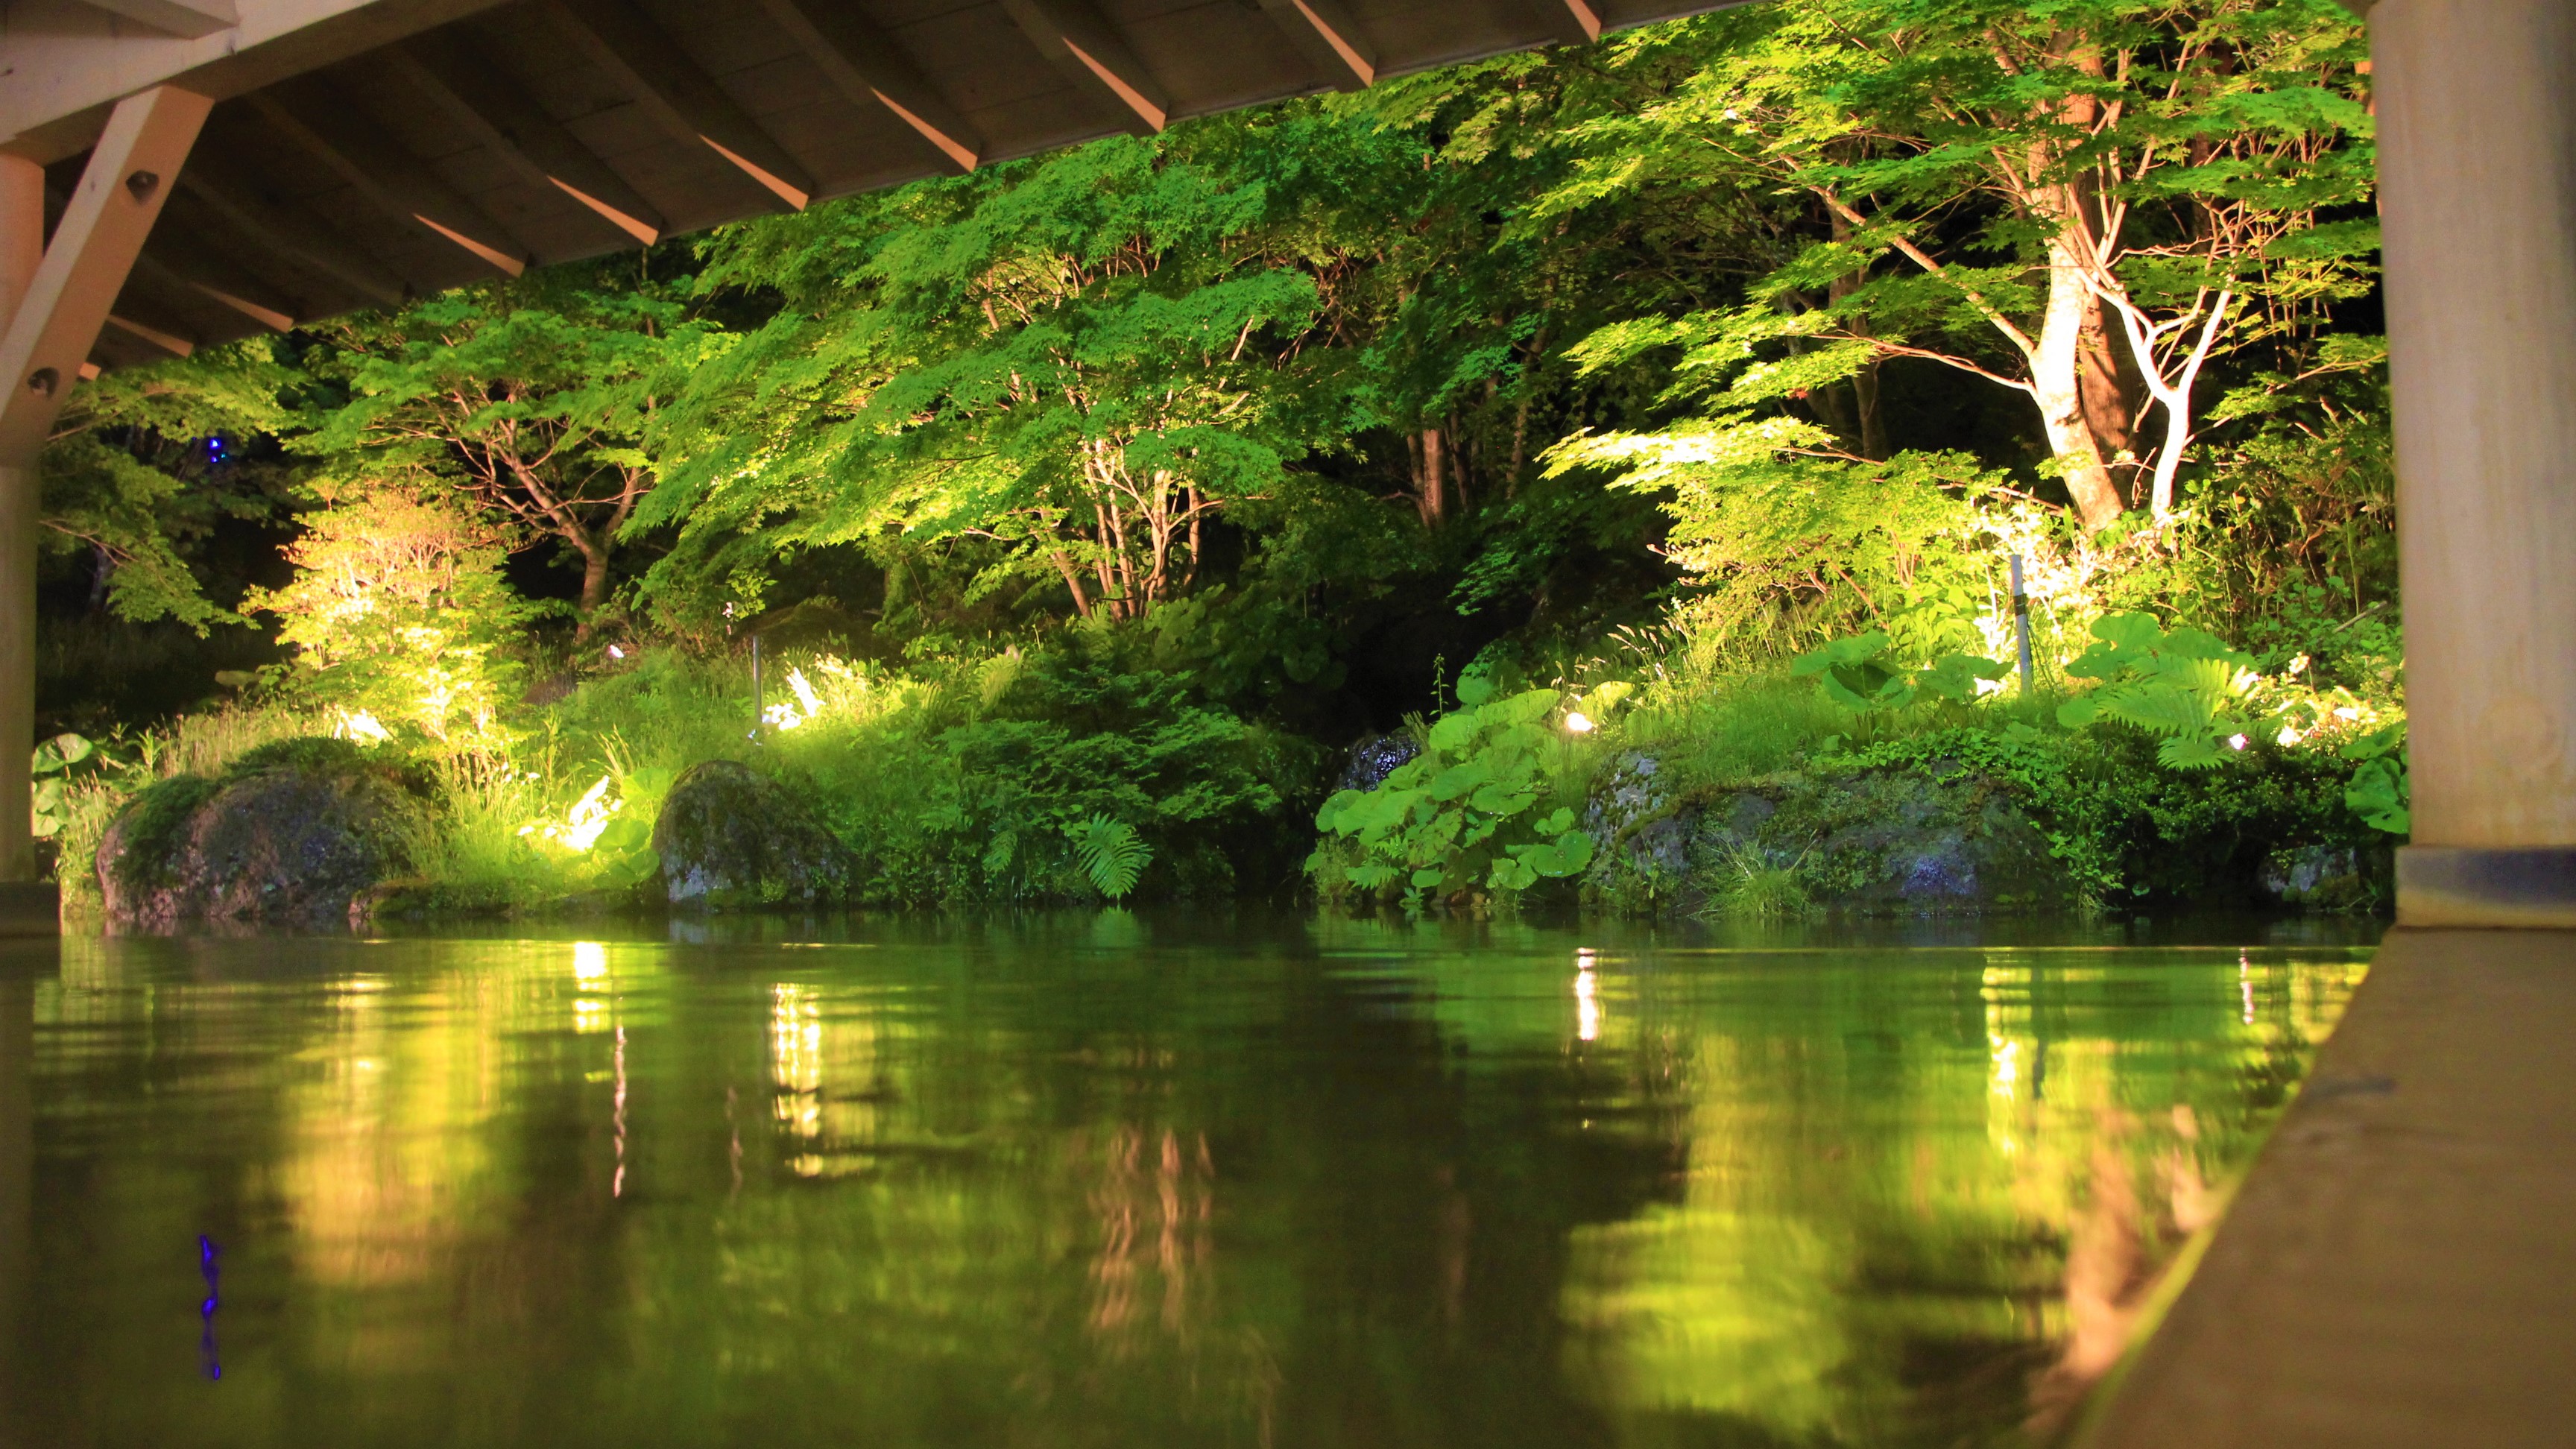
1745,885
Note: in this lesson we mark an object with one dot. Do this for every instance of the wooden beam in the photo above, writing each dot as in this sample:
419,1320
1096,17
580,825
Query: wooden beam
650,66
1576,22
169,342
1081,43
233,197
491,106
867,67
231,287
120,195
187,19
356,149
1330,39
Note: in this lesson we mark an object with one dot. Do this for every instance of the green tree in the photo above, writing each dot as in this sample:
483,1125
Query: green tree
143,464
1081,360
532,397
2083,202
398,614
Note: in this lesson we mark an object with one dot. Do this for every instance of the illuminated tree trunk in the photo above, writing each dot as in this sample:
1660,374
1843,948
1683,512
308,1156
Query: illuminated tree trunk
2057,387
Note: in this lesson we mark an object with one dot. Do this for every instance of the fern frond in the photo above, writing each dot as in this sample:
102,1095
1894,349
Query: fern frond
1110,853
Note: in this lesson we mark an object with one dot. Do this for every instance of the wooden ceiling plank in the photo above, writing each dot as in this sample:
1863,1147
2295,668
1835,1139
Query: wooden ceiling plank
1330,39
232,197
660,77
360,152
241,293
863,62
1081,43
486,102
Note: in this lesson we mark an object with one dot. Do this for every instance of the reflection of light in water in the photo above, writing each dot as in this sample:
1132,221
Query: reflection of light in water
2007,1066
617,1187
796,1065
1587,1000
590,969
2245,980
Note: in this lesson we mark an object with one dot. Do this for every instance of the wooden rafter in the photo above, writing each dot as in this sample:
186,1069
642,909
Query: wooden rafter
232,197
1576,22
1330,39
166,341
495,109
681,97
193,271
864,63
361,152
1080,42
187,19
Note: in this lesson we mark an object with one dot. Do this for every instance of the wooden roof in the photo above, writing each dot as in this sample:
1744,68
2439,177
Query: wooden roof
428,149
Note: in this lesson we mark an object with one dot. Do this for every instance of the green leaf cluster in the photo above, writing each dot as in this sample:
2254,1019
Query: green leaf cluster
2184,687
1463,814
1110,853
2379,789
1854,673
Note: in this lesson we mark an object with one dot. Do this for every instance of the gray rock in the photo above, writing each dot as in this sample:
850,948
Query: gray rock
2328,877
1373,759
731,838
1641,833
1899,842
292,834
1883,842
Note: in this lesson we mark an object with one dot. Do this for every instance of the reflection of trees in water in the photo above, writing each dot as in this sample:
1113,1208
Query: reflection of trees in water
1885,1235
1835,1204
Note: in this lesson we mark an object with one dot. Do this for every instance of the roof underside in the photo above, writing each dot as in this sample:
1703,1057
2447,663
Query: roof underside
542,131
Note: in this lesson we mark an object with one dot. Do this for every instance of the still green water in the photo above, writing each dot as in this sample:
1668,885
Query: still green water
1102,1181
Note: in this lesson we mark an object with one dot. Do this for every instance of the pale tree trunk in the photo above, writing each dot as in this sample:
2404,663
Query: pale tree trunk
2073,325
2056,385
2173,394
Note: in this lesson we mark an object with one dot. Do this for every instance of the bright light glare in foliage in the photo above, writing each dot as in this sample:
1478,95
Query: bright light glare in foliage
1578,722
581,826
362,727
2236,742
789,716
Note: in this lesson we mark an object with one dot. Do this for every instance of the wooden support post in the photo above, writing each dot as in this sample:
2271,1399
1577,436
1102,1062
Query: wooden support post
58,314
2477,164
22,252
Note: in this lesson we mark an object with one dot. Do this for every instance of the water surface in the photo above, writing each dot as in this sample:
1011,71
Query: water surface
1101,1181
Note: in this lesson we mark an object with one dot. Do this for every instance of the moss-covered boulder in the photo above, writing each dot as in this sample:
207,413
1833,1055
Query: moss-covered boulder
730,838
292,833
1893,841
1935,839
